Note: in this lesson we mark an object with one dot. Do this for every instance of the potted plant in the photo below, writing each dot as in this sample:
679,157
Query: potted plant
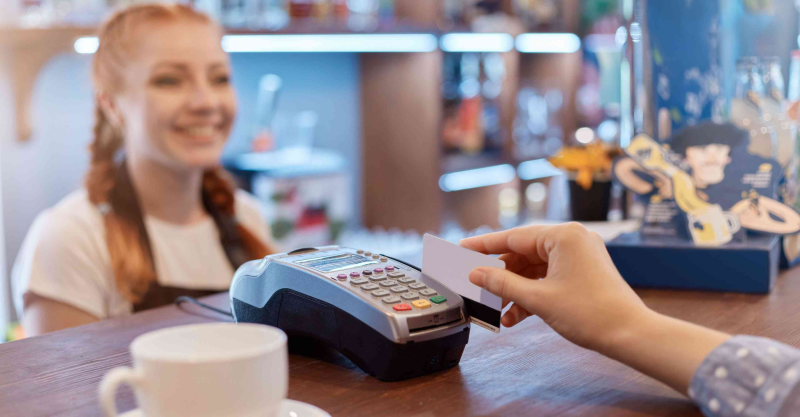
588,169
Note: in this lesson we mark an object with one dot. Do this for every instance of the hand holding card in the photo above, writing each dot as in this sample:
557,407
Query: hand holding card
451,264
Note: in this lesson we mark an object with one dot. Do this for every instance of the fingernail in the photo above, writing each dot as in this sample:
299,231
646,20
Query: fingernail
476,277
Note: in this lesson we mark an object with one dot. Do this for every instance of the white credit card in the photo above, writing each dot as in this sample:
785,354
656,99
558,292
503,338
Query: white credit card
451,264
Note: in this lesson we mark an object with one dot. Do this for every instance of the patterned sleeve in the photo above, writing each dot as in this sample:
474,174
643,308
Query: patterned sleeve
748,376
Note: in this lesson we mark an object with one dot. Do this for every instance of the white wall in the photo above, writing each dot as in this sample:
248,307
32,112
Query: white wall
6,129
38,173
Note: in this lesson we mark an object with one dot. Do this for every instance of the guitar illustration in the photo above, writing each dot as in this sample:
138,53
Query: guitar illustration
709,225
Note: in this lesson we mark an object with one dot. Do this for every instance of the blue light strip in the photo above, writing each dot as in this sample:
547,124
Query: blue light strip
477,42
549,43
475,178
330,43
538,168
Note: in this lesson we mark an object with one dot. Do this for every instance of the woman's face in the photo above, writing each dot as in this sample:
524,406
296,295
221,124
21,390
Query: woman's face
177,104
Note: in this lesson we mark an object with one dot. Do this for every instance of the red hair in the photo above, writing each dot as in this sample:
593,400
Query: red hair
128,245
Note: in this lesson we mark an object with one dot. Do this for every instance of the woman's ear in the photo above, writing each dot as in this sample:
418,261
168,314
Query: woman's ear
109,107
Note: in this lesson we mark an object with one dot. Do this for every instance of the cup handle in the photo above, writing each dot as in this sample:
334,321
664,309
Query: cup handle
111,381
732,220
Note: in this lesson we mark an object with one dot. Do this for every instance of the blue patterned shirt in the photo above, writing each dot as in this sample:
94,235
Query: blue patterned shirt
748,376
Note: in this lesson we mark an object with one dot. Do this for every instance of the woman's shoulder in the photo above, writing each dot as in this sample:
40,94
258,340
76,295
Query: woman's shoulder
250,211
73,224
73,211
248,204
64,257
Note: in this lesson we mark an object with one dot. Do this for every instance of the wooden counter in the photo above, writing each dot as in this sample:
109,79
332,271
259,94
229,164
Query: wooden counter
527,370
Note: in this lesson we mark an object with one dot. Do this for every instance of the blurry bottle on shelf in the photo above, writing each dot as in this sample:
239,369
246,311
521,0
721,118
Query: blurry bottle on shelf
340,10
43,13
322,10
537,132
494,71
747,109
463,125
305,124
263,131
508,208
793,94
235,13
478,15
536,201
588,99
775,109
471,109
451,80
472,86
537,13
363,14
386,9
554,135
274,14
453,12
529,125
776,112
300,9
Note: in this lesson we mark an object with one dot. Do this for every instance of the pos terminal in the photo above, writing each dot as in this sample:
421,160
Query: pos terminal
387,317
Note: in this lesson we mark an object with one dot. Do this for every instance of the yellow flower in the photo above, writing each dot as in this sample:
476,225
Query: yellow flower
586,161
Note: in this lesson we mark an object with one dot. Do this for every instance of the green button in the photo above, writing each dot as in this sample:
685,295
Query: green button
438,299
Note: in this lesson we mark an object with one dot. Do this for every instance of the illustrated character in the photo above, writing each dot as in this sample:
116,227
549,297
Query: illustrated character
708,224
707,151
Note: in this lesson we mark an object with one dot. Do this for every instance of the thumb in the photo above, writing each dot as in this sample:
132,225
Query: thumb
503,283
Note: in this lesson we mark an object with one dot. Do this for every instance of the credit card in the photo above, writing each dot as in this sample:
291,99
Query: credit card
451,264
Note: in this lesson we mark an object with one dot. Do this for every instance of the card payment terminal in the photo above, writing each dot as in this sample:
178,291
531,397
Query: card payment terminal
384,315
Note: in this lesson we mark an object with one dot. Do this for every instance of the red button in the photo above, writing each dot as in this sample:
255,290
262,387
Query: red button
390,268
354,274
342,276
378,270
402,307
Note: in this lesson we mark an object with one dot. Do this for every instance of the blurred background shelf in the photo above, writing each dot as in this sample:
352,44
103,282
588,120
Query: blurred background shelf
396,155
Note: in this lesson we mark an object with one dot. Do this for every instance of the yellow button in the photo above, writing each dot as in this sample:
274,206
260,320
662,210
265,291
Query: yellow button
421,303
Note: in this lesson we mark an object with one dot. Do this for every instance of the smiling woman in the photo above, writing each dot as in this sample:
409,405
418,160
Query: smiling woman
158,217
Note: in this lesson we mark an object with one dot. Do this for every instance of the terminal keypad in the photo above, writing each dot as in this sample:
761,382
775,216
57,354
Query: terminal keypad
393,287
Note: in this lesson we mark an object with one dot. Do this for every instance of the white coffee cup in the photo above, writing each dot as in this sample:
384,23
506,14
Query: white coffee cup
204,370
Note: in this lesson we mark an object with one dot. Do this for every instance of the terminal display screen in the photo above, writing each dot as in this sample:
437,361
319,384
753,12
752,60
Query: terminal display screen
337,262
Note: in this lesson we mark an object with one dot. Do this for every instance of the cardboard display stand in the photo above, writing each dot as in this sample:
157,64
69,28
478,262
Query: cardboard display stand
748,267
713,219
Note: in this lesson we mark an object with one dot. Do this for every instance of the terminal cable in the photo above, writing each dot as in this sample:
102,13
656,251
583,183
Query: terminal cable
183,299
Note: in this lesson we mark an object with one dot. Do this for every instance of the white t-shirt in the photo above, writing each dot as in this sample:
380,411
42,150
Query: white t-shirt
65,257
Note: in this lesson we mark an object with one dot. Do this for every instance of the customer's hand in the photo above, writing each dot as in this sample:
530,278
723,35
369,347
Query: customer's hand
564,275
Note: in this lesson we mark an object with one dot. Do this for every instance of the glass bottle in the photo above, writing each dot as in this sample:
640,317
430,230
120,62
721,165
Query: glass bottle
747,109
775,109
794,77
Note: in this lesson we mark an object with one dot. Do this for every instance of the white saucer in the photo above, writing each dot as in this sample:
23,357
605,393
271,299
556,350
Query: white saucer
289,408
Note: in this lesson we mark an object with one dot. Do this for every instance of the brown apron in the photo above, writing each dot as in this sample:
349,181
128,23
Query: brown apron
123,200
158,295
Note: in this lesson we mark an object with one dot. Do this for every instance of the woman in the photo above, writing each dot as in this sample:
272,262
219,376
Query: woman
563,274
157,217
